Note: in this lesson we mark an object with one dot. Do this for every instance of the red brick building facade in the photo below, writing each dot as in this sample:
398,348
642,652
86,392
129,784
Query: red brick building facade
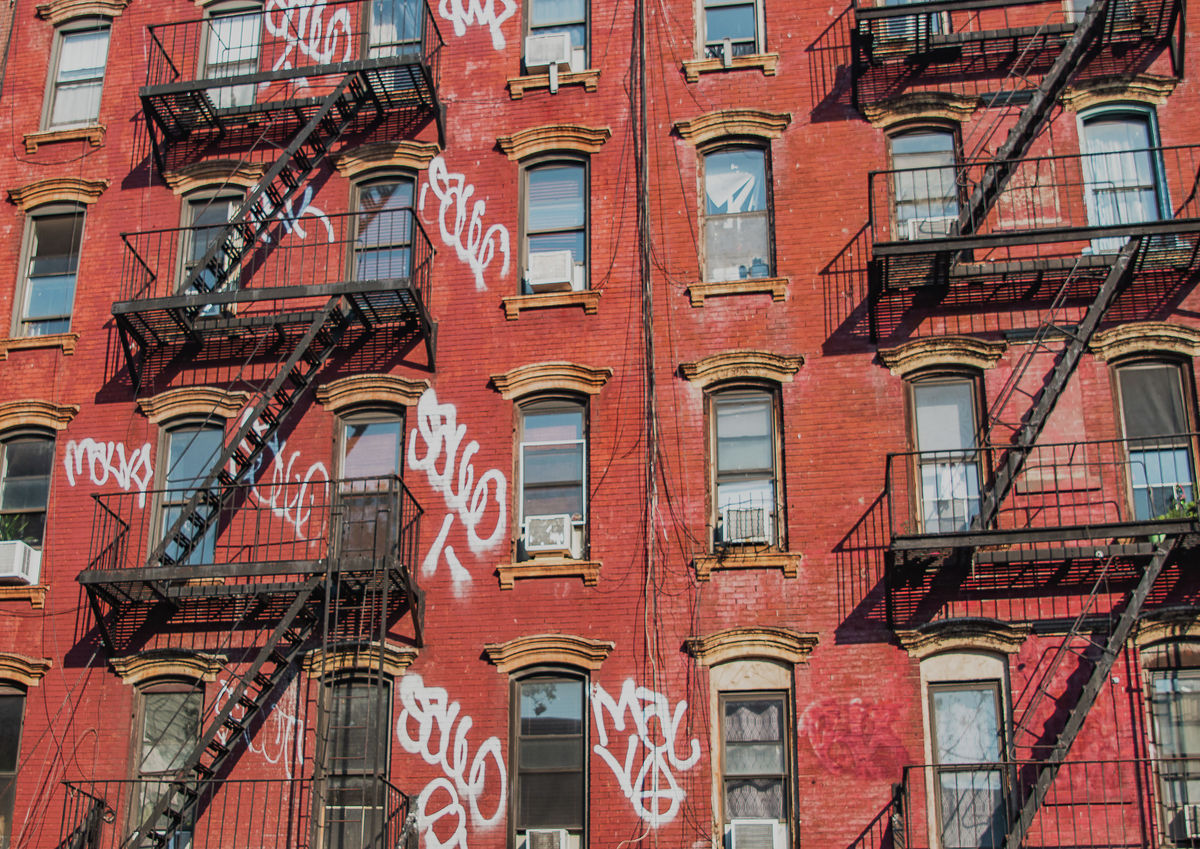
575,423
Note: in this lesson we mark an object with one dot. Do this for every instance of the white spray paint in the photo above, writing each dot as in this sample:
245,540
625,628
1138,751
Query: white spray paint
280,742
440,436
453,193
481,12
109,459
430,725
291,494
291,218
302,26
649,785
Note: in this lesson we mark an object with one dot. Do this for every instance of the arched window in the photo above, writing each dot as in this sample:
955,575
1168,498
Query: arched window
25,469
555,226
925,193
552,474
169,713
549,754
76,74
1156,423
1122,169
53,238
12,715
383,227
187,454
738,236
746,499
945,427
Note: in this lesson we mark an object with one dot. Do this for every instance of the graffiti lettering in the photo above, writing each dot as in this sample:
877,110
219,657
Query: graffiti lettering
481,12
109,459
453,193
291,495
291,219
280,742
301,24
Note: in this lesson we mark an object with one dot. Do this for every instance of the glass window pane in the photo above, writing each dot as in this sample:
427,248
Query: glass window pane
355,718
551,706
28,458
551,464
170,724
967,729
191,453
233,40
1152,401
82,55
737,247
543,13
12,709
393,23
372,448
745,438
55,248
571,241
553,426
555,198
945,414
551,753
733,22
972,809
550,800
755,798
735,182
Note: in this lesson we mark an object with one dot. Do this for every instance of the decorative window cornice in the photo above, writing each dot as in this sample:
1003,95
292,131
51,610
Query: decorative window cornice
31,412
960,351
23,669
730,365
549,566
922,106
589,78
781,644
160,663
60,11
383,156
538,649
733,122
93,134
768,63
192,401
551,137
57,190
213,174
963,635
389,659
384,389
1150,89
550,377
1146,337
1171,626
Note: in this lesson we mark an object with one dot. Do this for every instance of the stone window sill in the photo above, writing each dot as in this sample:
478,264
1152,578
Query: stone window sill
517,86
706,564
549,567
93,134
766,62
35,595
776,287
66,341
589,299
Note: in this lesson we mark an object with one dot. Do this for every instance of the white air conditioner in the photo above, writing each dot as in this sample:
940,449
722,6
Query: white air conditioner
1189,821
548,533
757,834
546,838
550,271
931,228
542,51
19,562
746,524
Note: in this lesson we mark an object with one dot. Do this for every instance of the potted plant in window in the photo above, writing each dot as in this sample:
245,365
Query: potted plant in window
19,560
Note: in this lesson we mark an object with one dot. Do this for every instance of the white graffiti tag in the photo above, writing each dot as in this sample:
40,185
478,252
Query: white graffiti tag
280,742
650,785
430,725
290,218
440,437
302,26
109,459
453,193
481,12
291,495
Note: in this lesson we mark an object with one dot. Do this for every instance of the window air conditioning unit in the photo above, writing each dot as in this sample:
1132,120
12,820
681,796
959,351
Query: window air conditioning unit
550,271
542,51
932,228
1189,821
19,562
746,524
757,834
548,533
546,838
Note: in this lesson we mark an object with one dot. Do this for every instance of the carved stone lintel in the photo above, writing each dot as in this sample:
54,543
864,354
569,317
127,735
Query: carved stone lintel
60,11
158,663
1151,89
589,299
192,401
57,190
958,351
35,595
395,155
975,634
766,62
386,389
549,567
65,341
922,106
550,377
729,365
535,140
781,644
1181,625
213,173
776,287
93,134
518,86
540,649
733,122
786,561
33,412
1146,337
389,659
23,669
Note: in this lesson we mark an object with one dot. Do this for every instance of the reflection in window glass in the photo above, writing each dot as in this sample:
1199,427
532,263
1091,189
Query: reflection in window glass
1160,449
170,728
79,77
383,247
190,455
395,28
735,20
926,195
737,240
551,16
948,462
556,219
354,759
25,488
550,753
552,461
50,280
966,726
744,433
12,712
1120,172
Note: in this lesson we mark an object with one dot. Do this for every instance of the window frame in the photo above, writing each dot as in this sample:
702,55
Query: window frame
529,28
20,320
778,524
729,145
909,130
28,434
53,84
556,160
398,48
8,778
1164,661
355,230
706,45
786,744
551,403
229,9
193,206
548,673
162,474
141,779
362,500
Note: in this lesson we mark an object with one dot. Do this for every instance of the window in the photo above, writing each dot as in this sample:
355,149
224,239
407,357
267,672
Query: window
926,196
203,219
25,487
52,244
754,763
170,727
12,713
1154,414
553,475
737,217
550,745
556,227
947,463
384,228
967,753
190,452
551,17
77,77
1122,171
372,445
394,28
354,757
732,28
1175,710
745,445
232,50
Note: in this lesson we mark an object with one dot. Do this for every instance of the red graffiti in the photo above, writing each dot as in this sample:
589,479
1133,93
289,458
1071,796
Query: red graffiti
855,738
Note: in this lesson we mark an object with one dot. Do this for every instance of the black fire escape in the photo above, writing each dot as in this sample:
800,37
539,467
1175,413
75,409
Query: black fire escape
1007,230
341,570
